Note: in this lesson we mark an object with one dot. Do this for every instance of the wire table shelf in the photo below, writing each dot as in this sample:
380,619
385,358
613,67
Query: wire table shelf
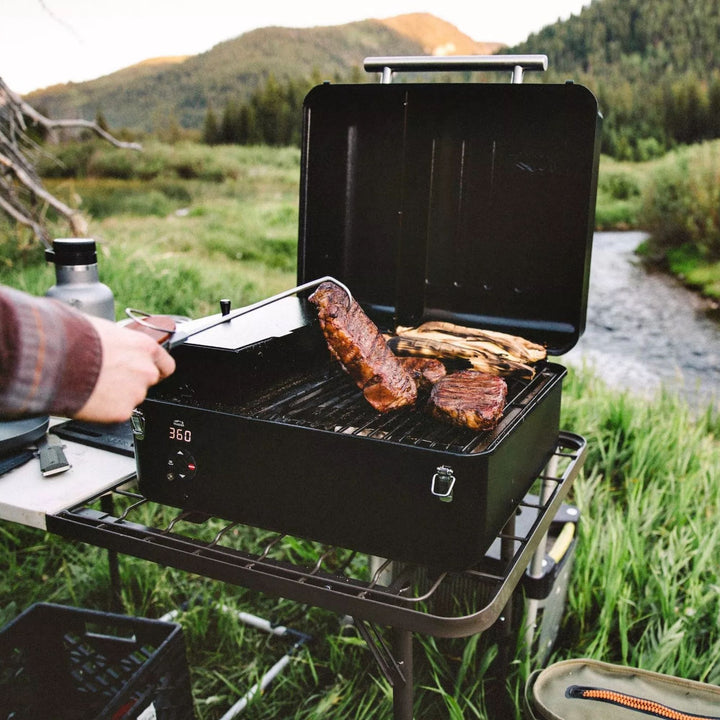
405,598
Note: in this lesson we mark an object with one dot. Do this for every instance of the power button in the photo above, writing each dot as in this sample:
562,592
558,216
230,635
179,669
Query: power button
181,466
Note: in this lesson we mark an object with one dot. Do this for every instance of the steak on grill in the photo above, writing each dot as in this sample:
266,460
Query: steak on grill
354,339
424,371
469,398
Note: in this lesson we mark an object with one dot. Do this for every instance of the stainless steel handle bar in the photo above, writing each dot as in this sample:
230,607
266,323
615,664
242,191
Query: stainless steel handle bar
516,64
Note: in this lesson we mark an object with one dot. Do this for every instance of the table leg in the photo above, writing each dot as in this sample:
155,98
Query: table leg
403,688
395,660
106,504
505,635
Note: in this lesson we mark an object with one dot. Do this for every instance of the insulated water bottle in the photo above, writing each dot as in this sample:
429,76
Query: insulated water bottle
77,281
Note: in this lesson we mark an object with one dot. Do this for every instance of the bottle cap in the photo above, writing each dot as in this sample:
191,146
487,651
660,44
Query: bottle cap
72,251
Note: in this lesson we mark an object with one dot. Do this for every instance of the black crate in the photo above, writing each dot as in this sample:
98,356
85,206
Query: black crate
61,662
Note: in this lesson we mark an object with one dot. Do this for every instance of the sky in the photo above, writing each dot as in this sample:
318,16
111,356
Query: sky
44,42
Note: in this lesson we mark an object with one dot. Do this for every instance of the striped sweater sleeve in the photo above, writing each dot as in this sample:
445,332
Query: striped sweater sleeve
50,356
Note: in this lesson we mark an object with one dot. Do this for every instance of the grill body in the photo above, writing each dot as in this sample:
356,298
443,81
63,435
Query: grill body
469,202
275,435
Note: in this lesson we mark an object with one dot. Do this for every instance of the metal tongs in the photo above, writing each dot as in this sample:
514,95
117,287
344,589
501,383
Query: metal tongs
170,335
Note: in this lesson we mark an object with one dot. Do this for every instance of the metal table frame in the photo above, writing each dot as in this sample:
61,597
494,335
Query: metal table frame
406,599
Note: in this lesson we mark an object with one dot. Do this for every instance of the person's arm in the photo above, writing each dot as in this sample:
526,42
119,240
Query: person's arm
56,360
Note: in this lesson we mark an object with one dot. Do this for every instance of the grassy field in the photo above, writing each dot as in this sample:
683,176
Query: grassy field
646,584
213,224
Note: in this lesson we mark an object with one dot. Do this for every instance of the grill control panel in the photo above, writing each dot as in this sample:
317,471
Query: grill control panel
180,466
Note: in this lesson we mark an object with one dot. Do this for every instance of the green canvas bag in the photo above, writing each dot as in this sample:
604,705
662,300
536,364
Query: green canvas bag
588,690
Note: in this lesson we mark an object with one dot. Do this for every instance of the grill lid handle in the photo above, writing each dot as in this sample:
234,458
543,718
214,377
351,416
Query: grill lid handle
516,64
169,335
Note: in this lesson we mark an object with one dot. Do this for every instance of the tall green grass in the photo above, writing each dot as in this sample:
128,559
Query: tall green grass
645,589
619,196
681,210
682,200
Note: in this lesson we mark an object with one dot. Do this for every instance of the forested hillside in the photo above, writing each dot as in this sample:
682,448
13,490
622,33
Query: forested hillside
634,37
655,67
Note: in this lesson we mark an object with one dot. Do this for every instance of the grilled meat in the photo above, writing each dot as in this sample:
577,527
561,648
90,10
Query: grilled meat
514,346
469,398
357,343
424,371
486,350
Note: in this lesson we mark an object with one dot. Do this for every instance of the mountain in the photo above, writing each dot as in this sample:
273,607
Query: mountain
654,68
144,96
438,37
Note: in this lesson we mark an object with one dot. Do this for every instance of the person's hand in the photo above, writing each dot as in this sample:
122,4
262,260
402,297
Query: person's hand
131,363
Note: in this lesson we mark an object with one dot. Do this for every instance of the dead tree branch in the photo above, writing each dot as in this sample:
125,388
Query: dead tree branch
22,195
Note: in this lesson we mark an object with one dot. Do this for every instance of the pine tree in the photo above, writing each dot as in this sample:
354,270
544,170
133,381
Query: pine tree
211,132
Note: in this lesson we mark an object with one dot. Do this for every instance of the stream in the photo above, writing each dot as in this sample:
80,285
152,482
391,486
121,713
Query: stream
644,329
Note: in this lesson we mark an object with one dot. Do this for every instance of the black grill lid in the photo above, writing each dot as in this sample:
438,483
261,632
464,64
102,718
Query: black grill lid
473,203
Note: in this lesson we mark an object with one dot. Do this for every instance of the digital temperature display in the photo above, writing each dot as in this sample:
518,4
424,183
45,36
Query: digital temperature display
180,434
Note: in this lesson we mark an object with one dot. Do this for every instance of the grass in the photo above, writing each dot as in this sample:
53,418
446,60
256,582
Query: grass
619,198
645,590
178,246
680,210
650,498
695,272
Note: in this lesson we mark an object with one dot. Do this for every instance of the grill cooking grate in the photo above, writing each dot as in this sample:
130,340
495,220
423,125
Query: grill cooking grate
334,404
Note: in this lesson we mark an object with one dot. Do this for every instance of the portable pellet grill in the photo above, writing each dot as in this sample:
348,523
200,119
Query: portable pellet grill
467,202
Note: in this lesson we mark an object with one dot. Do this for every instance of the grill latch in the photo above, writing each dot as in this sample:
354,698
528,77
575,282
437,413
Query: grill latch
443,482
137,423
